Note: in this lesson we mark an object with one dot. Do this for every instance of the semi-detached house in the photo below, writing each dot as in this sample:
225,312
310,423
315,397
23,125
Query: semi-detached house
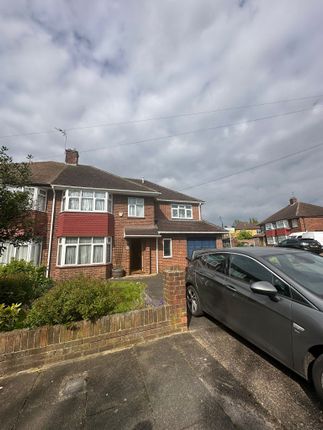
89,220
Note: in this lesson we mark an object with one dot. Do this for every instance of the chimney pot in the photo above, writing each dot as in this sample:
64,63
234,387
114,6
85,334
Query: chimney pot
71,157
293,200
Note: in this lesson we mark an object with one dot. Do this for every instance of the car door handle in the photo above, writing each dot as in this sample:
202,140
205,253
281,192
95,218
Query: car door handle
231,287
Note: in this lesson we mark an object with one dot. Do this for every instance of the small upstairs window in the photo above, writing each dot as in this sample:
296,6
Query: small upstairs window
282,223
182,211
136,207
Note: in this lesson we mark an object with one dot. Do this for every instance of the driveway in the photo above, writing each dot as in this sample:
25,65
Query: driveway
204,379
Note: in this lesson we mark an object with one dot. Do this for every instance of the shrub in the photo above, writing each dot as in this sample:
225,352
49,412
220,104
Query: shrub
22,282
82,298
9,316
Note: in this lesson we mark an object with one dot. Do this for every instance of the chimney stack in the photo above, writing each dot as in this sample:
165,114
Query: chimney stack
71,157
293,200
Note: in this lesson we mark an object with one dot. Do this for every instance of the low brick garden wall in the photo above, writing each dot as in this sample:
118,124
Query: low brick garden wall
30,348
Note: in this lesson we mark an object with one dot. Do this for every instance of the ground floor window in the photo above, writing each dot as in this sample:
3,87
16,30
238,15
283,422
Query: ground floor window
271,240
167,248
73,251
29,251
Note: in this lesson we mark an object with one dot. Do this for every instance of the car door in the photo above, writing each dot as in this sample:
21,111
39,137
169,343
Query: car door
211,283
263,321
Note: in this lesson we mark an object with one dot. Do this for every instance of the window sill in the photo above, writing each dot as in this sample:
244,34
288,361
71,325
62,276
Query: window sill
85,212
69,266
168,257
183,219
136,217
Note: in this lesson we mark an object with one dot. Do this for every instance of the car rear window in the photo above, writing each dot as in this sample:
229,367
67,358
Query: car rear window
304,268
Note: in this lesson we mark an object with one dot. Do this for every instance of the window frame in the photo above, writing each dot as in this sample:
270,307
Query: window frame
283,223
170,247
62,245
273,275
136,205
181,206
108,200
30,245
294,223
270,226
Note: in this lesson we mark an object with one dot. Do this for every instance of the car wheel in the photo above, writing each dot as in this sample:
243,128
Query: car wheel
193,301
317,376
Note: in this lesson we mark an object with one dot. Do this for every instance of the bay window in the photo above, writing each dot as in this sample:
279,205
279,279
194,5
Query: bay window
87,201
270,226
182,211
282,223
136,207
74,251
29,251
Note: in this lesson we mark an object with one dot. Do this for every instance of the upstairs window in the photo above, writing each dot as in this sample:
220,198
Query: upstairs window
182,211
87,201
294,223
38,197
270,226
282,223
136,207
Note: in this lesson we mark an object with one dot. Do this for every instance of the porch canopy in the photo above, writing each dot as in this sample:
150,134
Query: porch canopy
141,231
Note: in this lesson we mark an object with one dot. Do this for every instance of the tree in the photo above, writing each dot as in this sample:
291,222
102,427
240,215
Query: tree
253,221
16,226
244,235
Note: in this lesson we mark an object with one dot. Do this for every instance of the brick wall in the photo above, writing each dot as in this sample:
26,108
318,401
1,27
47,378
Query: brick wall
179,252
121,246
312,224
25,349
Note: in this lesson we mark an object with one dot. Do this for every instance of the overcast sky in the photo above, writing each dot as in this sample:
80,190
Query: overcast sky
73,64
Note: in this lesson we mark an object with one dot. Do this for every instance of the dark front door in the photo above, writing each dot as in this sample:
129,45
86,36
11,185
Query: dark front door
135,255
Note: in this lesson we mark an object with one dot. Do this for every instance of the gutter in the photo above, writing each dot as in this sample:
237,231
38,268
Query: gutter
51,233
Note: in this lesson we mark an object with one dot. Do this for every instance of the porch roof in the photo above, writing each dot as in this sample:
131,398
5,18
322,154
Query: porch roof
141,231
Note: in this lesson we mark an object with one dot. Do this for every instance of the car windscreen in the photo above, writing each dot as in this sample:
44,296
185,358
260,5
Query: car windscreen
302,267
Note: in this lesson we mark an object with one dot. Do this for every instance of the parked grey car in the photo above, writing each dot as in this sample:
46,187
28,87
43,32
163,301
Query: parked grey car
273,297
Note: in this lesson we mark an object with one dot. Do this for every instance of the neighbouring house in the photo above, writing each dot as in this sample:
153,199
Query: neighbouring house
297,216
89,220
254,230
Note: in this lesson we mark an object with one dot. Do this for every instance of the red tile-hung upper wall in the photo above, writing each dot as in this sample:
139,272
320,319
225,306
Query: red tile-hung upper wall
81,224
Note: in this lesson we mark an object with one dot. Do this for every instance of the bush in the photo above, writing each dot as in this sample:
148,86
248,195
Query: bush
82,298
22,282
9,316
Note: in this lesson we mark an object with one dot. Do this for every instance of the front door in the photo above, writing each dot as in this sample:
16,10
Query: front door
135,255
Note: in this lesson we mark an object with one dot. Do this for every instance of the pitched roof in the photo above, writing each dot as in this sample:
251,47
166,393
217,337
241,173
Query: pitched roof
53,173
167,193
141,231
188,227
295,210
246,226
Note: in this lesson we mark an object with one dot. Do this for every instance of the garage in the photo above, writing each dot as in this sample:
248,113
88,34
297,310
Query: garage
199,243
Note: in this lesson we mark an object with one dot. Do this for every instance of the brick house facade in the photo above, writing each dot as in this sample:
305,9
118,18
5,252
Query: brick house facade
296,217
90,221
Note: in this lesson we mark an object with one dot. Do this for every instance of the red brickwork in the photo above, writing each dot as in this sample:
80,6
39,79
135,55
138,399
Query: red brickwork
175,296
179,253
121,246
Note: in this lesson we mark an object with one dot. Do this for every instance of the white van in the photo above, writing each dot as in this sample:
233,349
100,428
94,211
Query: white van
297,234
316,235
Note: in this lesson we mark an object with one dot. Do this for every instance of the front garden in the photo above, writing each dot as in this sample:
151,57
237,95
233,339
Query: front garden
28,299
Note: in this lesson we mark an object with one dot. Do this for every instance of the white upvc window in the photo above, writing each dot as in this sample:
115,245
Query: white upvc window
281,238
136,207
86,201
29,251
167,248
294,223
182,211
272,240
270,226
282,223
80,251
38,197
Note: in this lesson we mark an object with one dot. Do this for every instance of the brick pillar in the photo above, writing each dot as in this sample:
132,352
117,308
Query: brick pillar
175,296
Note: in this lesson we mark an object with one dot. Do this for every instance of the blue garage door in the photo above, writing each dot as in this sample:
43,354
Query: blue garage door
199,243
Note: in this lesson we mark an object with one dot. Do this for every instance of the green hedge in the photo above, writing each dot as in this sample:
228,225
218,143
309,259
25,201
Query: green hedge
82,298
22,282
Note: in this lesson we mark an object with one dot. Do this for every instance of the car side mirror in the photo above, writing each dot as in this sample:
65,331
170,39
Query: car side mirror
266,289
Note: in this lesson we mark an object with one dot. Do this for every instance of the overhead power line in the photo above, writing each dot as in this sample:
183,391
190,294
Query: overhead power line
248,169
189,114
184,133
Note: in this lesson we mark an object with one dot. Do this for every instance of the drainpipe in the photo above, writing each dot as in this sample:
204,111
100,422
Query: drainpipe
51,234
156,254
200,204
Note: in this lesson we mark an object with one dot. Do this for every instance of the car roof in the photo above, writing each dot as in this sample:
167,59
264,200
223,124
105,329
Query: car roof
254,251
